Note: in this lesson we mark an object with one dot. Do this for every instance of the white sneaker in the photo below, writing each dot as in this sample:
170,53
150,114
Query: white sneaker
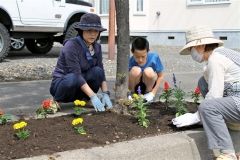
227,157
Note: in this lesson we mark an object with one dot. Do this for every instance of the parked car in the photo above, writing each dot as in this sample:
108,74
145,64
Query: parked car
39,23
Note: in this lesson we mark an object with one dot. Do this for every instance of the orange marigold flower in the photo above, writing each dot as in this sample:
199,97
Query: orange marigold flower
46,104
1,112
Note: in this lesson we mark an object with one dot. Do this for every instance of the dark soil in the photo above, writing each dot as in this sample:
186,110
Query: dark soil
56,134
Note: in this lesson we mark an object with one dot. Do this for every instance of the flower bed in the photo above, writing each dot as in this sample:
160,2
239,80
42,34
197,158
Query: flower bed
52,135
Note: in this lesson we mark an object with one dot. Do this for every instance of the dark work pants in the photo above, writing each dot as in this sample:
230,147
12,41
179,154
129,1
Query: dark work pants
68,89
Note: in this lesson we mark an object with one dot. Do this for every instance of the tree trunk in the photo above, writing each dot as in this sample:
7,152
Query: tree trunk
111,33
123,49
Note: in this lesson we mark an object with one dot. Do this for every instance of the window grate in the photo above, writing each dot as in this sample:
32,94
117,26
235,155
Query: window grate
223,37
206,2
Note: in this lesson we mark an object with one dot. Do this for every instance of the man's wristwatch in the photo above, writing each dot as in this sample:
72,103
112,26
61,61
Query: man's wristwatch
107,92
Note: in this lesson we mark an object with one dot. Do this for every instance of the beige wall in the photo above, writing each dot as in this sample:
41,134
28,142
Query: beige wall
176,15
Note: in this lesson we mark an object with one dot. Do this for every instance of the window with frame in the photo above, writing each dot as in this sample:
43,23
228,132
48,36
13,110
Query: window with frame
206,2
139,7
104,7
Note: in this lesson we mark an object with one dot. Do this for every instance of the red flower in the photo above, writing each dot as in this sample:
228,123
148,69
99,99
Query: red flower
197,90
1,112
46,103
166,86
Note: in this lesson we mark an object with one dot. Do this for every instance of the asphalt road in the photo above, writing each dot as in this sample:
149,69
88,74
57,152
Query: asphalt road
23,98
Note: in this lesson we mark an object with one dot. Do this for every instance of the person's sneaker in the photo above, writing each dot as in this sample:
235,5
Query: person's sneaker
230,156
238,155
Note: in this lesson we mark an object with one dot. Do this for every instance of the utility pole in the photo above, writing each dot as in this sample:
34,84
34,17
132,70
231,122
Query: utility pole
111,28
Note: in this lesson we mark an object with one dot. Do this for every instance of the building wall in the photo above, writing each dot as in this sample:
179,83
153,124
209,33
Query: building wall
162,38
176,16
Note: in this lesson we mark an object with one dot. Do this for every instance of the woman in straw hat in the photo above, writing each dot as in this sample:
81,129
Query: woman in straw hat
79,72
220,86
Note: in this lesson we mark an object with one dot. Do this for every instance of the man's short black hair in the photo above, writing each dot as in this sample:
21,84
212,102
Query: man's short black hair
140,43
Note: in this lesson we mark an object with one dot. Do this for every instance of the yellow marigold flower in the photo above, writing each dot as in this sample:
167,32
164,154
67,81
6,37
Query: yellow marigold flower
79,103
136,96
23,124
82,103
19,125
77,121
16,126
76,102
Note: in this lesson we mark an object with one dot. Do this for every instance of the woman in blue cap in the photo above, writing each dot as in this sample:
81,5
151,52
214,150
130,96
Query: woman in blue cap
79,72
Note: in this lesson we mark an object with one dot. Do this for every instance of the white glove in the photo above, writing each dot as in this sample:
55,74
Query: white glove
186,119
130,97
148,96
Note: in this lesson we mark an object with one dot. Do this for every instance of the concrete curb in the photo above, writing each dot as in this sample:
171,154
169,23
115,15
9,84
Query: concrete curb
187,145
177,146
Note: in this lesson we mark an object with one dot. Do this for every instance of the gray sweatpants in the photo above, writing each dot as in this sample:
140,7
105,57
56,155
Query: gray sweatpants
214,113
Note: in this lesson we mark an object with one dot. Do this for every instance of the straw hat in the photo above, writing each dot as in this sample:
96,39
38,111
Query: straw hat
90,21
198,35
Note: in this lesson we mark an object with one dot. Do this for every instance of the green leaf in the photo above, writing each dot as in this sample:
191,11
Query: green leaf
5,118
23,134
80,130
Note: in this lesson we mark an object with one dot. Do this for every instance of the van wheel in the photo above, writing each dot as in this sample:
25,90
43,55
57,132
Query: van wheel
17,44
39,46
71,31
4,42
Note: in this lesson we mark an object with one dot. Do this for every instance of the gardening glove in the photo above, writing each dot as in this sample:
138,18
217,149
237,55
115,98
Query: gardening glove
129,96
186,119
97,104
148,96
106,101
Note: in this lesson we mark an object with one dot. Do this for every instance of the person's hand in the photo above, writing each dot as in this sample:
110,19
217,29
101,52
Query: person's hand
186,119
97,104
148,96
106,100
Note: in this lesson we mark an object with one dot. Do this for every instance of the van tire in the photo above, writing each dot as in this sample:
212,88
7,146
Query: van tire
71,31
4,42
39,46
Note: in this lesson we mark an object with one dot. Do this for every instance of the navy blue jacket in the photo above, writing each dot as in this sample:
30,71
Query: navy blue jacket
75,59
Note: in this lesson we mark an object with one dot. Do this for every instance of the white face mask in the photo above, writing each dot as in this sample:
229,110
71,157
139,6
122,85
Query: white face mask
196,56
